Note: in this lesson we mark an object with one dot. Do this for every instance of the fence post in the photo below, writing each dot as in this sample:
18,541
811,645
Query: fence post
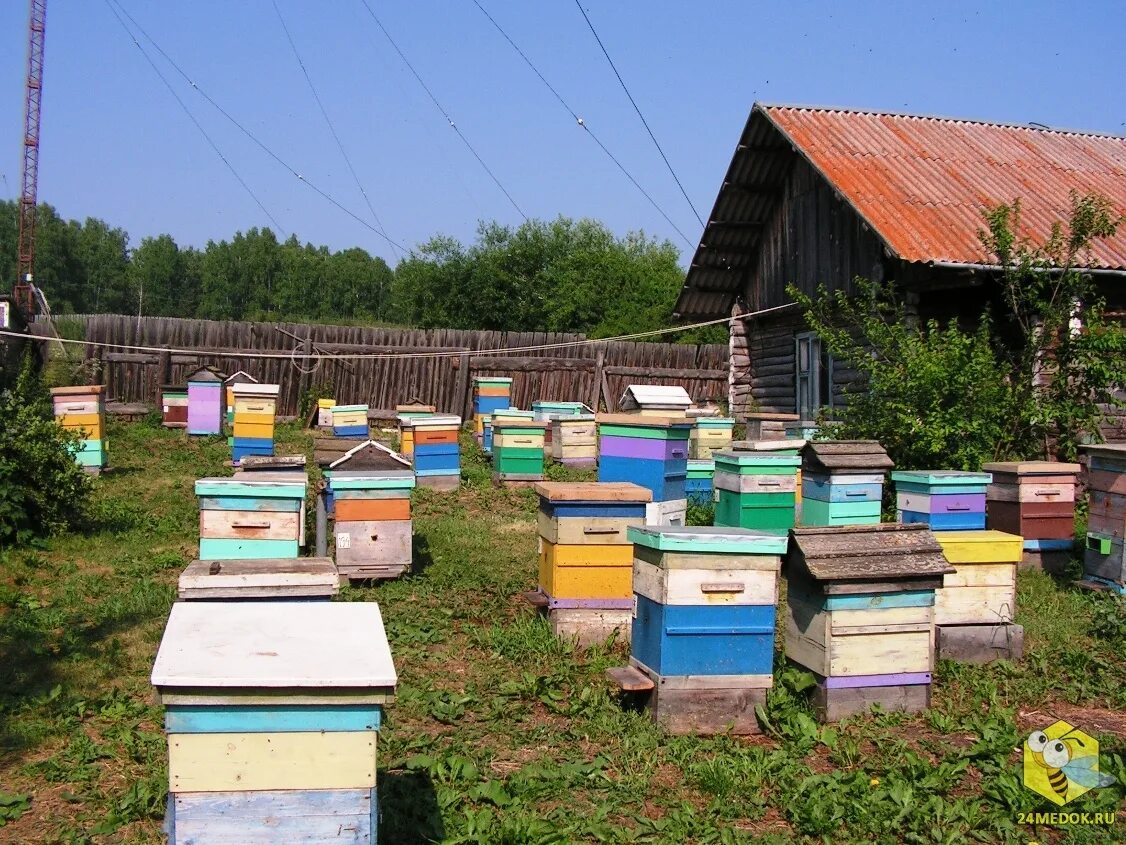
303,377
163,373
461,390
599,362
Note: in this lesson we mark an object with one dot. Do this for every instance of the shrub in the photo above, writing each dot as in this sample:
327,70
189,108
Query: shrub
42,489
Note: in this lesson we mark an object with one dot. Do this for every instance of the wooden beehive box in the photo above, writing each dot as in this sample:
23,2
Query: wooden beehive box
251,516
982,590
842,482
861,599
1035,499
272,712
1104,561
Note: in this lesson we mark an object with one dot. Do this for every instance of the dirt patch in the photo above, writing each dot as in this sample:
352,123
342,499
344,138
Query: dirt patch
1090,719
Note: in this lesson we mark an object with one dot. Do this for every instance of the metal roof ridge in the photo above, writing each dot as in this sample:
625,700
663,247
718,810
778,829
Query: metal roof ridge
765,107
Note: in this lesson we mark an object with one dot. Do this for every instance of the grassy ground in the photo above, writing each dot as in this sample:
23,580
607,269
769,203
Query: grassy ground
502,734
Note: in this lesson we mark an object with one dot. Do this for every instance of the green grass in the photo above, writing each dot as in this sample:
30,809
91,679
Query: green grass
502,733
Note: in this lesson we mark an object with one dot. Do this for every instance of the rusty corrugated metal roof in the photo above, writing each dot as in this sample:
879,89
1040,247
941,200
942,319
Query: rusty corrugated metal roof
921,183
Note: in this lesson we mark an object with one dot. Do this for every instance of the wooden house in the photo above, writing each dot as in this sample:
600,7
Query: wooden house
820,196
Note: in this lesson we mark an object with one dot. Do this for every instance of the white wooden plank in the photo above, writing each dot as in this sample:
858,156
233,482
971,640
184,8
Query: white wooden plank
274,644
705,586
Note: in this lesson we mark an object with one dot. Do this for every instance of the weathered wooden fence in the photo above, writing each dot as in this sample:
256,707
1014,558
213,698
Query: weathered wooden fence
413,369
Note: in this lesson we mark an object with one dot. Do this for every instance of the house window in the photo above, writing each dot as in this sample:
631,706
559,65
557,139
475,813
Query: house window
813,378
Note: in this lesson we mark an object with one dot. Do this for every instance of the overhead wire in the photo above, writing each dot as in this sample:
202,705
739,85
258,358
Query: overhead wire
323,194
192,118
442,110
331,127
381,356
582,123
637,109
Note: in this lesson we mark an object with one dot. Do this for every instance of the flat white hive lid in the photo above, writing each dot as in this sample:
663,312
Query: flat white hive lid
288,644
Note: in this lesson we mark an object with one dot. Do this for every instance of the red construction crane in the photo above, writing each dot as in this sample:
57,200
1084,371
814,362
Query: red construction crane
36,33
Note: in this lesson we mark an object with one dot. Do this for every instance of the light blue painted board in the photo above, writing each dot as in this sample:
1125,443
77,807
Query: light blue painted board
289,817
1049,545
834,491
268,718
253,442
430,473
708,539
715,422
881,601
260,490
942,478
755,459
248,503
944,521
346,409
370,483
211,548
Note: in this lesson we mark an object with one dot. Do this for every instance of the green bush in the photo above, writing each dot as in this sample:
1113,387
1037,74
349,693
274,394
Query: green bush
42,489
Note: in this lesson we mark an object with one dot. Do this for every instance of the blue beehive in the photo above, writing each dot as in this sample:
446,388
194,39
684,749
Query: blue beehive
705,601
947,500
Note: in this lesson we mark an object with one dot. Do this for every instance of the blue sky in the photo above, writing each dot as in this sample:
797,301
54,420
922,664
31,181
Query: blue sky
117,146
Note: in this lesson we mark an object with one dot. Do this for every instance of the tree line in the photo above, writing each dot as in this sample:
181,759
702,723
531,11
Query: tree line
560,275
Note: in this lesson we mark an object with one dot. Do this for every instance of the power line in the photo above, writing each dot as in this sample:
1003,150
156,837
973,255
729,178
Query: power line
192,118
637,109
331,127
582,123
443,112
250,134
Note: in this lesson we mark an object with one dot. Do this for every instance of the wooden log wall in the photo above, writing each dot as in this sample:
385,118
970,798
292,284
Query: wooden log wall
569,373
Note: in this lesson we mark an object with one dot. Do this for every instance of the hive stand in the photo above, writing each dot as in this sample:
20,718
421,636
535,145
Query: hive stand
861,614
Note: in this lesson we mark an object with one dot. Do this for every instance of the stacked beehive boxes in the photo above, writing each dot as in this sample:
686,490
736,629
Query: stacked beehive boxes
490,393
1035,499
373,528
250,517
710,434
946,500
574,440
767,426
586,559
518,449
255,408
405,415
229,383
205,402
703,625
861,614
174,406
1104,562
549,411
975,608
349,420
82,410
651,451
324,413
503,414
655,400
272,712
437,452
756,488
842,482
699,483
